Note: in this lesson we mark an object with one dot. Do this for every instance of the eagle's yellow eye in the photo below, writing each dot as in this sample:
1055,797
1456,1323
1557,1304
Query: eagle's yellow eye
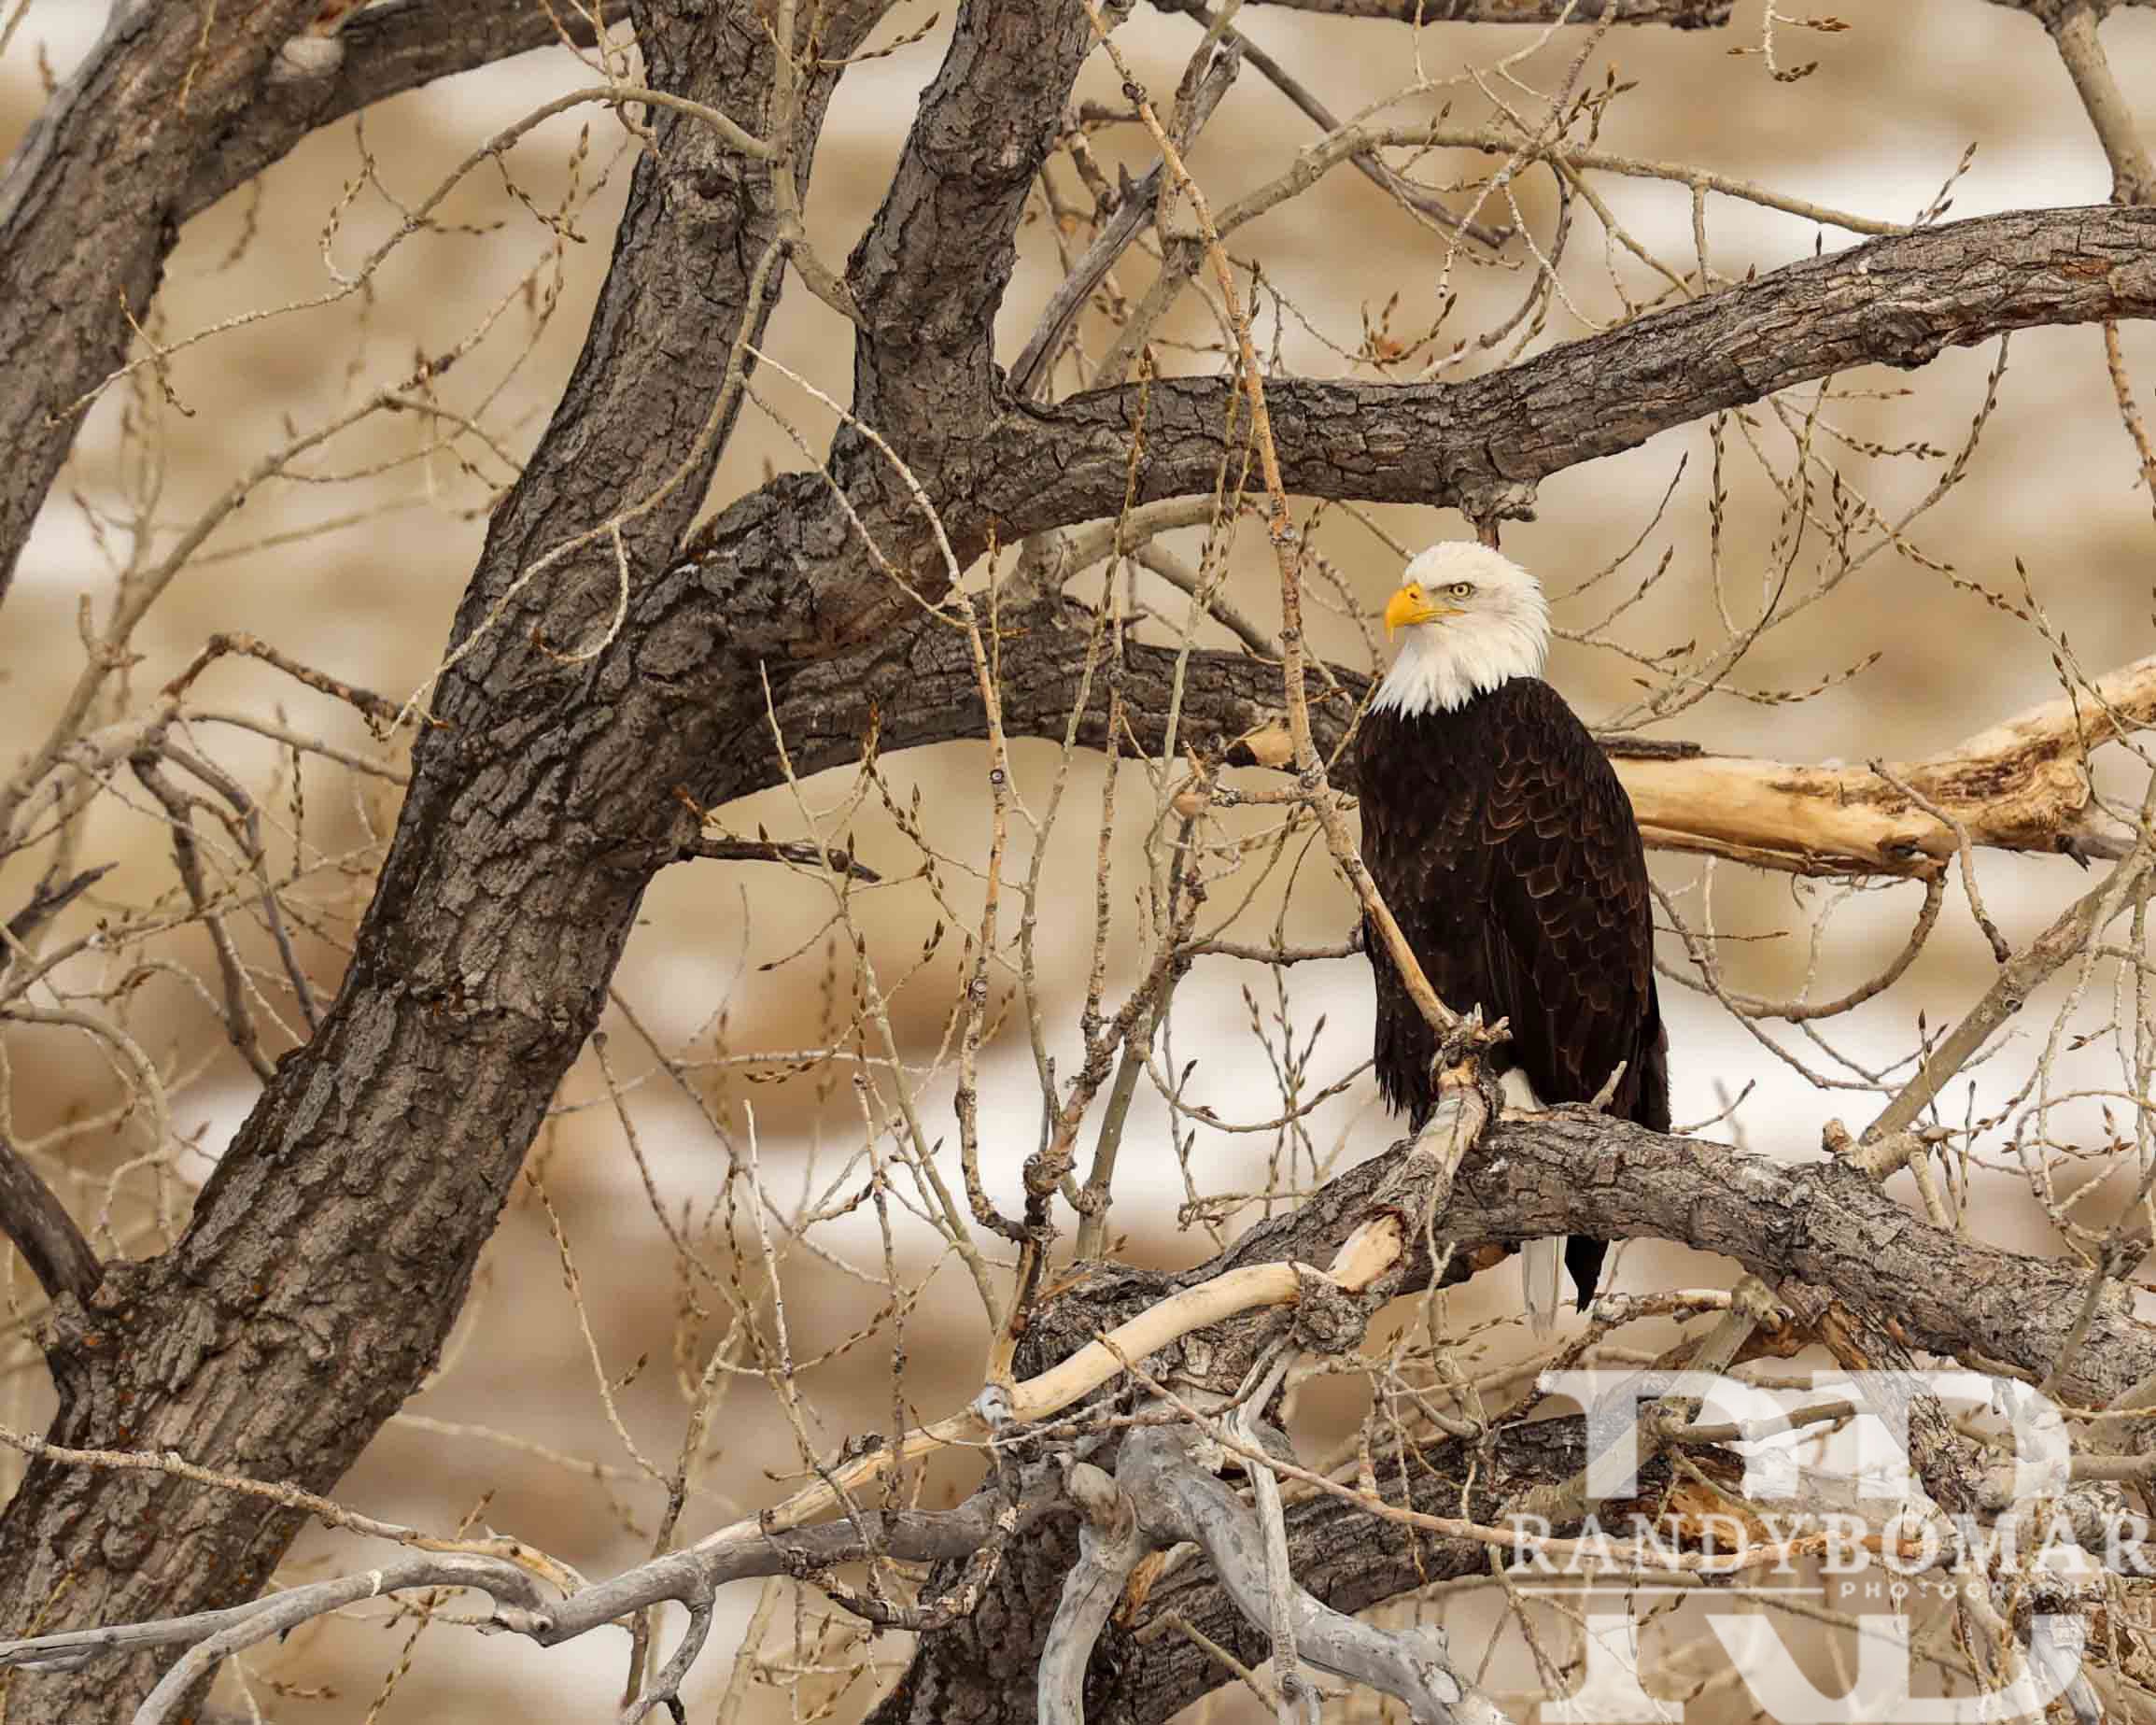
1460,589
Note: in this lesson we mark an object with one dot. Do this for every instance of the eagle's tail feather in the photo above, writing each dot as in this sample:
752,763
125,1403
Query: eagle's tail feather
1542,1262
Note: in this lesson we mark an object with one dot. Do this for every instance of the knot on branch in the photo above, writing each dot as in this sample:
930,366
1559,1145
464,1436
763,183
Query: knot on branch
2053,14
1486,502
1103,1502
1328,1318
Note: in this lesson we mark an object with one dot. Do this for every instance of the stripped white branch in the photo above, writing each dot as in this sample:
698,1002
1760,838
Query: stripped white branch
1111,1544
1177,1499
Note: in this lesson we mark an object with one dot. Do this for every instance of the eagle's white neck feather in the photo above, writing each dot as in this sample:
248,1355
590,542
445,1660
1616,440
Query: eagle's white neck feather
1501,631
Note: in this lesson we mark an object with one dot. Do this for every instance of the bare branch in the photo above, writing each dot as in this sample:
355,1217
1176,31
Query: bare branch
1483,444
244,1625
2075,926
2072,27
87,211
521,1608
42,1230
801,855
187,860
381,51
1368,163
1111,1544
48,902
1176,1499
1140,199
2021,784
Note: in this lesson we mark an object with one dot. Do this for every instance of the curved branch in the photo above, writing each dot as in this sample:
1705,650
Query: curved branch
1111,1544
87,210
984,127
1176,1499
1475,445
381,51
910,1535
34,1219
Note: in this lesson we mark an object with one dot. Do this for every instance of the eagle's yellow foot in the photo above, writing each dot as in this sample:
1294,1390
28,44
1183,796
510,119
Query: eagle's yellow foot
1756,1301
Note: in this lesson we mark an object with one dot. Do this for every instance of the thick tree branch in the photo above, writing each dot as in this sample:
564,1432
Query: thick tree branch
483,959
2020,786
1815,1222
381,50
984,128
1819,1223
34,1219
87,207
1818,1220
1178,1499
1479,444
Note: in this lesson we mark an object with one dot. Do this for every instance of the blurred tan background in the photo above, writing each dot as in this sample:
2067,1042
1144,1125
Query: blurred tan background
514,1418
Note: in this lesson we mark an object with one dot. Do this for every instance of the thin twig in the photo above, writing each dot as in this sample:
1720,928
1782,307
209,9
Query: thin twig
800,853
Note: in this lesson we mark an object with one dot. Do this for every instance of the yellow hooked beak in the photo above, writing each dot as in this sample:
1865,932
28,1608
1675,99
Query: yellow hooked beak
1412,605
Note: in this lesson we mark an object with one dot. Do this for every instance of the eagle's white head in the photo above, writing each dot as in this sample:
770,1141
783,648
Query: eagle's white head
1475,619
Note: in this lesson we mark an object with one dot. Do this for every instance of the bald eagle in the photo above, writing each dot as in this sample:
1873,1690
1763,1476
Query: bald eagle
1504,844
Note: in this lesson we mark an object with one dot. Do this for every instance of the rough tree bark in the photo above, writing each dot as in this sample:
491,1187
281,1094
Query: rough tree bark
86,211
328,1254
1576,1170
2019,784
330,1251
1825,1224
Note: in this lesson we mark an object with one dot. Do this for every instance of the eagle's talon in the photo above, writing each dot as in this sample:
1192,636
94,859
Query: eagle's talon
1756,1301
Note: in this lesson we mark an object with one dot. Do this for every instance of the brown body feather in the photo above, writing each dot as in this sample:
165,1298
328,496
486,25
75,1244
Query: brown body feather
1506,847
